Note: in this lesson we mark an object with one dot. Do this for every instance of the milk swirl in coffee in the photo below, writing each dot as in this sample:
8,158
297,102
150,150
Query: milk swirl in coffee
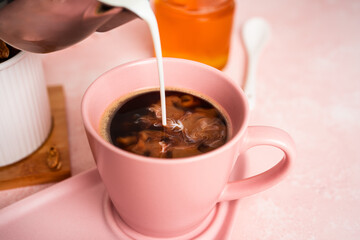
194,125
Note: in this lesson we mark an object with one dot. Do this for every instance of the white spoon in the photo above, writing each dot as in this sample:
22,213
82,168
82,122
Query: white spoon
255,33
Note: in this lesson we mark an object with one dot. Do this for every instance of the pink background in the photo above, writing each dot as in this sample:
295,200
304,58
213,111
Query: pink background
308,85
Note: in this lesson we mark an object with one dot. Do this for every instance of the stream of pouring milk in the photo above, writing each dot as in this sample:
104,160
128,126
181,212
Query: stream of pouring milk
142,8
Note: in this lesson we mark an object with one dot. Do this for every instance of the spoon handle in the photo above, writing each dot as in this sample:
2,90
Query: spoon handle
255,33
250,82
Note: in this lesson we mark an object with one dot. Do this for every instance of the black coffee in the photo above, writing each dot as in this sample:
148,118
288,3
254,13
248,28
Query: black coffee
194,125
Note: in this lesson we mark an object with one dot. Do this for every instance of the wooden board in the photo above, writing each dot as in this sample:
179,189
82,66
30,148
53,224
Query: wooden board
51,162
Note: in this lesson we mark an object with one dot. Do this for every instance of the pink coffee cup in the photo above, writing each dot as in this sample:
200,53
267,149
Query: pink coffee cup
166,198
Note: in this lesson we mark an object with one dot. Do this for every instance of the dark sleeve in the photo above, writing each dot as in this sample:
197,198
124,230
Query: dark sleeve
4,2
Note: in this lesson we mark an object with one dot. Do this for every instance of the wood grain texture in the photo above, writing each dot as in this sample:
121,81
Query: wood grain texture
51,162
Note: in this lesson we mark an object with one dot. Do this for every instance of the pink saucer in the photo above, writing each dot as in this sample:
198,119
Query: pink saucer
79,208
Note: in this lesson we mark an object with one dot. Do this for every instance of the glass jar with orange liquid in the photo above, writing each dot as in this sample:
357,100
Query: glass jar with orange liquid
198,30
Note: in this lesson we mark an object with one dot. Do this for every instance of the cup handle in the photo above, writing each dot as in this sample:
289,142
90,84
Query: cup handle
255,136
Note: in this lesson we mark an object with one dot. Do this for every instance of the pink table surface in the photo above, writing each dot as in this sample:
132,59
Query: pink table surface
308,85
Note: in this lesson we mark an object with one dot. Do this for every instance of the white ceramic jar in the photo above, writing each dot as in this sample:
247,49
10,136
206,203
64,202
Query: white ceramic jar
25,116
